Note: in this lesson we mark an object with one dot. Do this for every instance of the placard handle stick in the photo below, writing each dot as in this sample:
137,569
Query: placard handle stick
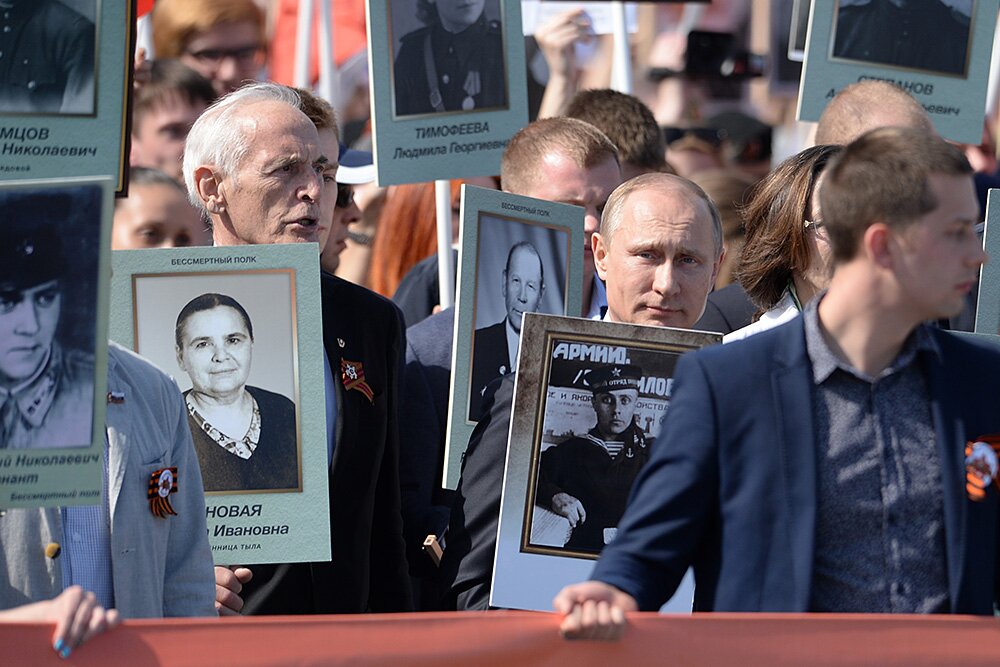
446,275
621,59
303,43
327,65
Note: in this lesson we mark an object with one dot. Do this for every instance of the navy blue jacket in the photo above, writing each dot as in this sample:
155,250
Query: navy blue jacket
730,487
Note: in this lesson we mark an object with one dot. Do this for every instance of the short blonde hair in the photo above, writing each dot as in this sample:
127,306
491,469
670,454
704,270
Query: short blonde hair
581,142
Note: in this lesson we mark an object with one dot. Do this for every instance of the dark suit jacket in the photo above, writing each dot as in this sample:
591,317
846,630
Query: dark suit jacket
489,355
731,484
472,532
726,310
424,411
368,571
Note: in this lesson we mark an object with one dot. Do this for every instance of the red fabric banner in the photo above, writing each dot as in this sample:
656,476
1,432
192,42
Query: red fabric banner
522,638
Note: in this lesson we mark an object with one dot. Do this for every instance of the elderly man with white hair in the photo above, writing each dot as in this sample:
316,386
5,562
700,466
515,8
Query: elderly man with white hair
254,164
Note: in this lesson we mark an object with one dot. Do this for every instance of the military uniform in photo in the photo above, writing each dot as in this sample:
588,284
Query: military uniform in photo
439,71
46,391
597,472
925,35
46,58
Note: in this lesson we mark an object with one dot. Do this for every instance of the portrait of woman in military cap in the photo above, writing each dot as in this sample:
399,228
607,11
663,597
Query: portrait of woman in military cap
450,58
47,321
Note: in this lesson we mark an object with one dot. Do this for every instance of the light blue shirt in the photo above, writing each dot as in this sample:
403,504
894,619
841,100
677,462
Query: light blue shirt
86,545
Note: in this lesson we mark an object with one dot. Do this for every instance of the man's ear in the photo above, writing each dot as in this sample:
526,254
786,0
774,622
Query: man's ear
600,250
876,244
718,265
209,186
180,358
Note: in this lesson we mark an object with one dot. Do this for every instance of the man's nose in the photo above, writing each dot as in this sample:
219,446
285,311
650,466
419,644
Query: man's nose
312,188
25,318
228,72
665,280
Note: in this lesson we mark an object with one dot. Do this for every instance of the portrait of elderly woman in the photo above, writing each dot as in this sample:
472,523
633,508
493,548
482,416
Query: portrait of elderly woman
454,62
245,436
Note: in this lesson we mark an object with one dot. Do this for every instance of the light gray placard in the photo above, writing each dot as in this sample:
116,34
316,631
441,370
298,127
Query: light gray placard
530,566
492,222
86,137
988,305
278,286
955,102
67,471
418,147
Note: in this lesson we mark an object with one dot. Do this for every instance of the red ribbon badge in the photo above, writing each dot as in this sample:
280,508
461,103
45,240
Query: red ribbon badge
352,373
981,465
162,483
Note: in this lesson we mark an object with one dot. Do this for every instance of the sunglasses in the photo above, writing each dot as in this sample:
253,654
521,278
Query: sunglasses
345,195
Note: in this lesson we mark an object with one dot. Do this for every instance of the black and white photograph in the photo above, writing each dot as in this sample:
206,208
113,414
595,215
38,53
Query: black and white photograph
925,35
798,29
229,340
448,55
589,400
520,269
602,412
48,56
49,274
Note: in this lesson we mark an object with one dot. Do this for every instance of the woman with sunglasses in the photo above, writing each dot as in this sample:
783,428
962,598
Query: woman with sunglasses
786,259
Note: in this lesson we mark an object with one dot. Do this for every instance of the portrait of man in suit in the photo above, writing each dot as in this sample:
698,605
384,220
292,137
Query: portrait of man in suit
494,351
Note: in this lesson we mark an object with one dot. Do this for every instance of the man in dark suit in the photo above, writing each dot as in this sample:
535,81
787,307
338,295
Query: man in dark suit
841,462
285,193
679,232
494,348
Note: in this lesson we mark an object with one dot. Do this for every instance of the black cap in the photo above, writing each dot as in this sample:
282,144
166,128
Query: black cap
611,378
30,244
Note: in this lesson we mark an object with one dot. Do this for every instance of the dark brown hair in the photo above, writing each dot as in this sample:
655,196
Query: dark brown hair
626,121
774,225
882,177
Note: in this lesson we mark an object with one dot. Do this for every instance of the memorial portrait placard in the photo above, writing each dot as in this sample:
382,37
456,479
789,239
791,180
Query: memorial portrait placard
939,51
589,397
448,86
240,330
54,267
65,70
988,303
517,255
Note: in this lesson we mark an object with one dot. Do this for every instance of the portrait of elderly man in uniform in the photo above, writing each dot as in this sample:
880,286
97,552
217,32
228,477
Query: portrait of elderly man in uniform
587,478
455,62
46,388
48,56
926,34
494,348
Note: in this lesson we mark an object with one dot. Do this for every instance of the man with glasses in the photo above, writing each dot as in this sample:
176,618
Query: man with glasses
355,168
223,40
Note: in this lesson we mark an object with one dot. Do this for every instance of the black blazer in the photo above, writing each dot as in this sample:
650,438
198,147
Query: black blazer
368,571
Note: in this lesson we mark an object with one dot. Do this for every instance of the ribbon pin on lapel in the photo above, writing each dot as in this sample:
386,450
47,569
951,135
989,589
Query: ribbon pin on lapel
162,483
352,374
981,465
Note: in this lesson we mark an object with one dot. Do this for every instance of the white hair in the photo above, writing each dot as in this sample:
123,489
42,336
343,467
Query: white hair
219,137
